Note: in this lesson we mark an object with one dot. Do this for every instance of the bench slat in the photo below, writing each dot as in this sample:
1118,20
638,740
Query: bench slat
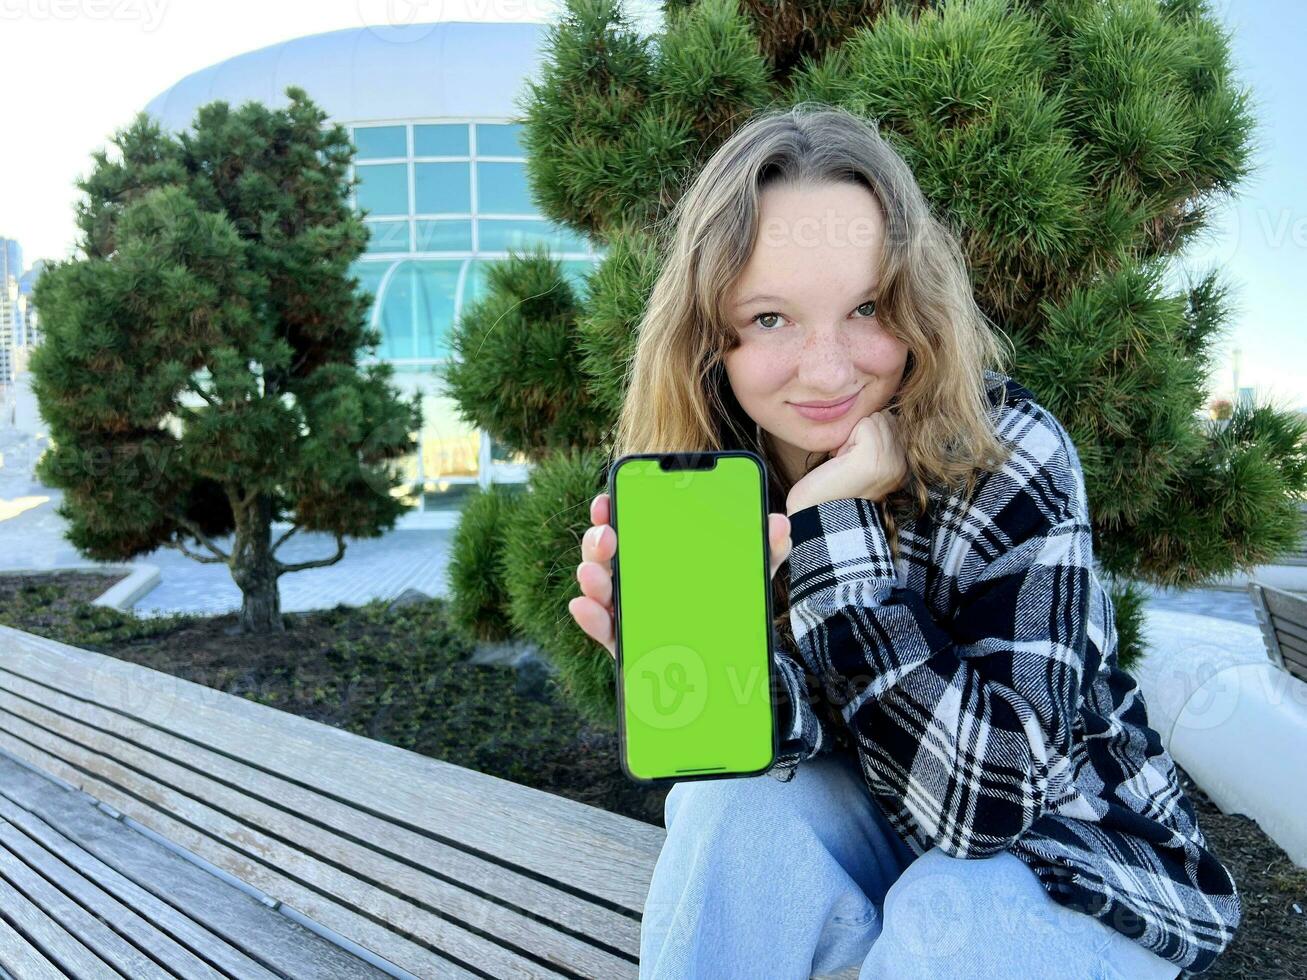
20,959
202,802
107,944
228,916
170,814
1289,644
308,819
1285,606
104,892
55,942
597,852
1293,653
1291,629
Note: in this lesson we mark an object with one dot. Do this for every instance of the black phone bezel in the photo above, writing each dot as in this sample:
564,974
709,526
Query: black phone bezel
773,673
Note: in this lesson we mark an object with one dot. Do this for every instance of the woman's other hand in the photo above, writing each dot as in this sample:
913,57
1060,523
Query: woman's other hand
593,609
870,464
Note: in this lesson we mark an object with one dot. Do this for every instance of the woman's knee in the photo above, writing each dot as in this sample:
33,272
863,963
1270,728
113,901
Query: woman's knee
950,916
822,788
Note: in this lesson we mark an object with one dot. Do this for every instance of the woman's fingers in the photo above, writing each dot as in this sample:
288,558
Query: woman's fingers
595,620
596,580
598,545
778,537
599,510
593,609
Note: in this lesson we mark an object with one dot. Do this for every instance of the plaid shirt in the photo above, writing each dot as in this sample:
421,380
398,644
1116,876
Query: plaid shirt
978,678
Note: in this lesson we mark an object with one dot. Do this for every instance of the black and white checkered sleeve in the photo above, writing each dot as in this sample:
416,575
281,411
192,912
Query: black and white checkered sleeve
970,726
803,733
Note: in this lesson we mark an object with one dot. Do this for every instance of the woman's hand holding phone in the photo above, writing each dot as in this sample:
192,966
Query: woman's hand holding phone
593,609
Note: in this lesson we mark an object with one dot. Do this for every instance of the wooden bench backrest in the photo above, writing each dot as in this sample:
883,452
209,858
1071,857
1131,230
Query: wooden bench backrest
1283,618
436,868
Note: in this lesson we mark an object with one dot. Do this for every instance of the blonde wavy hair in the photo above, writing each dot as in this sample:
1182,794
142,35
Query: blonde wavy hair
678,398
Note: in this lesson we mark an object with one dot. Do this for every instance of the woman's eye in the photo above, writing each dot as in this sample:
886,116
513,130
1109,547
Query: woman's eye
771,327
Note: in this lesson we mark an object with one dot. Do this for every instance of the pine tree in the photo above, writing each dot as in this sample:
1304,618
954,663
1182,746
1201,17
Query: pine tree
1075,146
199,372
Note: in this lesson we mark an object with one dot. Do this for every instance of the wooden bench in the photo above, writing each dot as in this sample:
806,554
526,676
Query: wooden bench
1283,618
417,867
83,894
355,858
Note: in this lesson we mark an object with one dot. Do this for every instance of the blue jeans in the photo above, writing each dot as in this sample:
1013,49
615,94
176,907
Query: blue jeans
764,880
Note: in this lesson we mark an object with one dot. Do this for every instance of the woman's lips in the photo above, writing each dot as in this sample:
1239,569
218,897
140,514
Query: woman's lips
827,414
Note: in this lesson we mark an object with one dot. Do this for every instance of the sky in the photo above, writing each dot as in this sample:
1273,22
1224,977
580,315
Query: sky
77,70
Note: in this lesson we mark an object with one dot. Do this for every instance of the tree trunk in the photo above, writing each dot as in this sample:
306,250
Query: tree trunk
255,570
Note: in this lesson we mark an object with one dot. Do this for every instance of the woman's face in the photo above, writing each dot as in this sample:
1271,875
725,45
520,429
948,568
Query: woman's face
804,310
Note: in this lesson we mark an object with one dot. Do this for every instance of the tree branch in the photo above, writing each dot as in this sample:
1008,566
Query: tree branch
277,544
206,559
203,538
317,562
192,386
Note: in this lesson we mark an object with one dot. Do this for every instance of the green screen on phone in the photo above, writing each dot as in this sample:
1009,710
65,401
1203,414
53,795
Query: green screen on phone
693,616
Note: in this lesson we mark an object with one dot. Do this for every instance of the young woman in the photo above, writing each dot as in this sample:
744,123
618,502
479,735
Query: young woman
980,794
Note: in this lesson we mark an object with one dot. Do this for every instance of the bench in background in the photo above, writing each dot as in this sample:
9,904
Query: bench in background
1283,618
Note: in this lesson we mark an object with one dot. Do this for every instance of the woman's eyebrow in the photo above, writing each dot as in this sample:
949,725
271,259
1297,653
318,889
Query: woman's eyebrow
781,299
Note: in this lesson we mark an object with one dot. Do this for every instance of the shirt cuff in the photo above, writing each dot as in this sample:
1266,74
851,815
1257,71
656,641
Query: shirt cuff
835,542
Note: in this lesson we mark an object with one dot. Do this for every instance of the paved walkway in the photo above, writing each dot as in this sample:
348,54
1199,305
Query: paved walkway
32,536
376,568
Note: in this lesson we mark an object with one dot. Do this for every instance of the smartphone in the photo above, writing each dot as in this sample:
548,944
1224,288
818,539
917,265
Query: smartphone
696,681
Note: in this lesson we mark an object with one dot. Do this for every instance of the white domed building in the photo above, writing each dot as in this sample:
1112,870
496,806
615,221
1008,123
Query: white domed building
431,109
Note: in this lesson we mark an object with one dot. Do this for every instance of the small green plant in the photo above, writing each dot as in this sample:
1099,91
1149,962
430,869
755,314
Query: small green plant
478,606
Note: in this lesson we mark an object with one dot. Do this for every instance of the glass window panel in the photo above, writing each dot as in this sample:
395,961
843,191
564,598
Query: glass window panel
499,140
450,446
439,286
474,285
397,313
418,308
499,235
501,188
445,236
575,272
369,275
446,140
499,454
383,188
375,142
442,188
409,383
387,236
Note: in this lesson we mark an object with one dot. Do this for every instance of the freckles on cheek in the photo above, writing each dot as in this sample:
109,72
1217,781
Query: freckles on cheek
759,375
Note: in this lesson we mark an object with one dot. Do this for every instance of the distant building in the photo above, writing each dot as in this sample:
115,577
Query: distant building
31,335
13,316
431,109
11,258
